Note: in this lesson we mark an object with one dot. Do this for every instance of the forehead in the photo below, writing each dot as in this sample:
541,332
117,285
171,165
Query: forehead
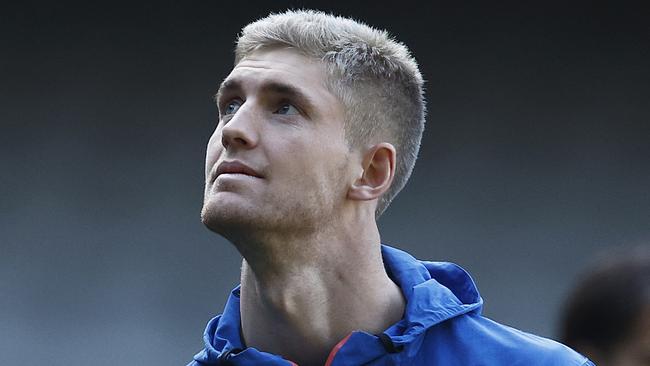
284,61
281,66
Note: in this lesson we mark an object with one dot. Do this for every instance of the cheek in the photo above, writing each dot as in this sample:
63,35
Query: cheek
318,163
213,150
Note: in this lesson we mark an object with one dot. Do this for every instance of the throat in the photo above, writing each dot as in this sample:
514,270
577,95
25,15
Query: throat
303,313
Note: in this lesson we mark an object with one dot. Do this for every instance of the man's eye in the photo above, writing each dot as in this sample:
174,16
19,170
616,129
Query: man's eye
231,107
287,109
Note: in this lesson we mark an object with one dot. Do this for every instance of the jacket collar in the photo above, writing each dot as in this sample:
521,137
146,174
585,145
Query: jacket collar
223,341
434,292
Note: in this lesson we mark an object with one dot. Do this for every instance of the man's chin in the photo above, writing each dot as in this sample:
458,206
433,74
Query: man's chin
224,218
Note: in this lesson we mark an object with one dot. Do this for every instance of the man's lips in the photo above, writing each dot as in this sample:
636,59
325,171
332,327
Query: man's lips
234,167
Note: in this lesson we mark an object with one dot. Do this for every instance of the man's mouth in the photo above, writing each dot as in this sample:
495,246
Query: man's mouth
234,167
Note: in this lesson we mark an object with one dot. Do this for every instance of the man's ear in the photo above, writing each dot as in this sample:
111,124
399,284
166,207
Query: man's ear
378,172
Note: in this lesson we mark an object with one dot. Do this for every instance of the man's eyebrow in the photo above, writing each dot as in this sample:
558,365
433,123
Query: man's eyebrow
226,85
271,87
291,92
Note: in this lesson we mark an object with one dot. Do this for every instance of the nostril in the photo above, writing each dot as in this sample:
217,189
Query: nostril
224,141
227,142
237,137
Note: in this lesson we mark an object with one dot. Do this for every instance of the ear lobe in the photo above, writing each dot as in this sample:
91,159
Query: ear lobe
378,172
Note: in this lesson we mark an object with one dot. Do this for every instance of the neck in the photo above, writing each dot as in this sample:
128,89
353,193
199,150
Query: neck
302,295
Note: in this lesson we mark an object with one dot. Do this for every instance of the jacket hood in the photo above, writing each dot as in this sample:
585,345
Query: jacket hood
434,292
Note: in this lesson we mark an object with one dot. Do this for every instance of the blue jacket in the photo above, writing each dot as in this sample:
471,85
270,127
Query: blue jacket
442,325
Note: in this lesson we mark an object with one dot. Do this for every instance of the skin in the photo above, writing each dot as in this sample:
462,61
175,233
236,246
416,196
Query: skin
312,270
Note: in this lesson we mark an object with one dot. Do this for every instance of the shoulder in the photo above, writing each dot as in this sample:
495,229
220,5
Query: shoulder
475,340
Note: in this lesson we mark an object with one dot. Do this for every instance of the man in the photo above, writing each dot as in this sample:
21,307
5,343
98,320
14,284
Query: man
320,123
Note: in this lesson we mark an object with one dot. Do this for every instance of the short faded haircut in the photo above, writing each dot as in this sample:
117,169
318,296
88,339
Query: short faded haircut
374,76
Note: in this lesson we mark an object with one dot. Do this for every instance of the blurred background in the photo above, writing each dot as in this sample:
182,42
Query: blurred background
536,157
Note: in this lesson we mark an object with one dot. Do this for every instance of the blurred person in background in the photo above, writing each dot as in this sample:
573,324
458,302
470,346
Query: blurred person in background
607,315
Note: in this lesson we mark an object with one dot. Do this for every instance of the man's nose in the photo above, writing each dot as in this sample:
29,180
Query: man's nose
241,130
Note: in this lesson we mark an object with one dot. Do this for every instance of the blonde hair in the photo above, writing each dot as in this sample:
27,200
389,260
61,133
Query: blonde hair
374,76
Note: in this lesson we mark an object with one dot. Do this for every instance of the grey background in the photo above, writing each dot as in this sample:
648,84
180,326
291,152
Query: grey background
535,158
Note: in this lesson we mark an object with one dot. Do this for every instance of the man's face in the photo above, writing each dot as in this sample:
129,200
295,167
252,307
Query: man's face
278,159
